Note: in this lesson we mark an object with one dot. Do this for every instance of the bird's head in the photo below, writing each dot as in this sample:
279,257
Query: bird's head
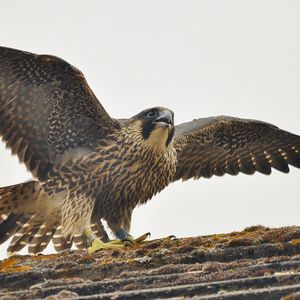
156,126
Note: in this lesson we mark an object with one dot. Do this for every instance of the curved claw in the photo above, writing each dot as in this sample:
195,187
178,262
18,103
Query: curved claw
172,237
131,241
168,238
142,237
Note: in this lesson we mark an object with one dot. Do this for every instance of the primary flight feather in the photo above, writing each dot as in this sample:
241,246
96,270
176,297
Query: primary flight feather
88,166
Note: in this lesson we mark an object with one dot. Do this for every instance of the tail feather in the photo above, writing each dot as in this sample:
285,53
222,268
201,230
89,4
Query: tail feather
81,241
22,236
32,217
46,240
15,198
6,200
8,226
41,238
61,242
36,235
29,215
3,217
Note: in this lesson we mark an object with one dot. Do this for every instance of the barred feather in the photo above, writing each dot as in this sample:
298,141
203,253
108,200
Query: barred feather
8,226
81,242
219,145
24,209
40,240
22,236
61,242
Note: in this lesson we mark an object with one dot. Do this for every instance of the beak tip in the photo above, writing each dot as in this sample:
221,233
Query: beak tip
166,117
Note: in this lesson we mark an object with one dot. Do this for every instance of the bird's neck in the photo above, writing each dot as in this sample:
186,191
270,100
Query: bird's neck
156,143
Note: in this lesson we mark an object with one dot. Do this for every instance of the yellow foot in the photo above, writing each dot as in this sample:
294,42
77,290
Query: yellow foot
99,245
130,240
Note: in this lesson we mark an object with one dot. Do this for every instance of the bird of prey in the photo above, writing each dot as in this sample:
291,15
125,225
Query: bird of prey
89,167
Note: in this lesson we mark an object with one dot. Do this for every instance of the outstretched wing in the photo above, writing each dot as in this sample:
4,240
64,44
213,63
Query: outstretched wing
219,145
46,109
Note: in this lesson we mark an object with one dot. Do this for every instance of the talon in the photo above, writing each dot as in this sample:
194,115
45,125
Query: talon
168,238
127,240
142,237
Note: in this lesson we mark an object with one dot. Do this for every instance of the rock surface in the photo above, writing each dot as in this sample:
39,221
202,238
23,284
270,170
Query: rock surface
257,263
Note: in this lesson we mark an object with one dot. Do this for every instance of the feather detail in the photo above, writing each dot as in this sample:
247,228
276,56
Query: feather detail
219,145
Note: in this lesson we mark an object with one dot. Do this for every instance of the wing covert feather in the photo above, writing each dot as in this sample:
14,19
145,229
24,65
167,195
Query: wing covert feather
220,145
46,109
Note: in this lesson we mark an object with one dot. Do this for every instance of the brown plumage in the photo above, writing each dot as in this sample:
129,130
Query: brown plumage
219,145
90,167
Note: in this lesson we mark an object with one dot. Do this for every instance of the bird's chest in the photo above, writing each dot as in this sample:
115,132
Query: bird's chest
136,178
150,177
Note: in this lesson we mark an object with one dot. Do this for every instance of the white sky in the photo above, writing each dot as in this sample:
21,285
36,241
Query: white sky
199,58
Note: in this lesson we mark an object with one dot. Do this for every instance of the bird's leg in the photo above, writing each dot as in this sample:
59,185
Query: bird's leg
122,234
128,239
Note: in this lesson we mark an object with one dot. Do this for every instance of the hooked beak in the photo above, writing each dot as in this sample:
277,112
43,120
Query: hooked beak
164,119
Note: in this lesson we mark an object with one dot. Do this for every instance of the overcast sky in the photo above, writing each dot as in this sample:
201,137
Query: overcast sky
199,58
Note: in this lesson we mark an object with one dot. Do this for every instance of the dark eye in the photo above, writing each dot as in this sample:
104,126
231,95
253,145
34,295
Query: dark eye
151,114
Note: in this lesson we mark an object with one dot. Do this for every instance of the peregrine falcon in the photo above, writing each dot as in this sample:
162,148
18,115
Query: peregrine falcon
89,167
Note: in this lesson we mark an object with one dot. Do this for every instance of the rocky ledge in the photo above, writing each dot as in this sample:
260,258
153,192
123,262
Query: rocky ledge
257,263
